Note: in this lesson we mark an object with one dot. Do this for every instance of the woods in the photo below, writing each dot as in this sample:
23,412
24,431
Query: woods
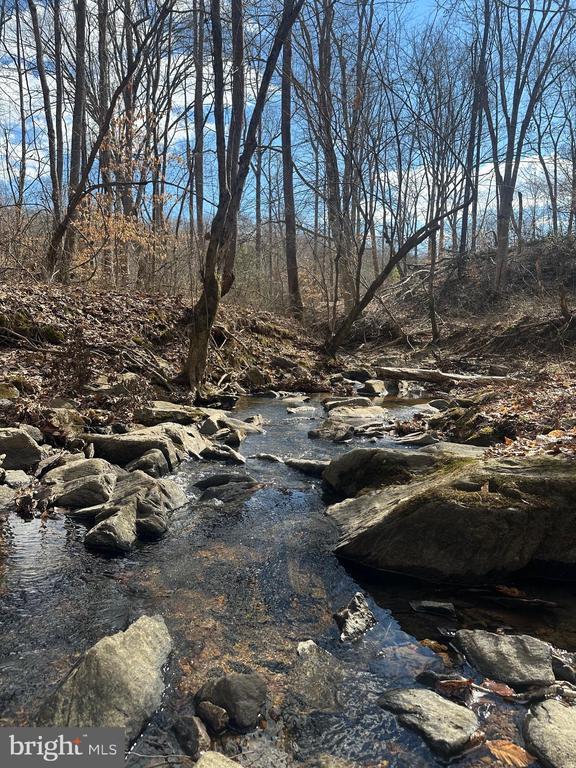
326,155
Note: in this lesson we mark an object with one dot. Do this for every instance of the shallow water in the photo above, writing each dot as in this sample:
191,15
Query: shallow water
238,592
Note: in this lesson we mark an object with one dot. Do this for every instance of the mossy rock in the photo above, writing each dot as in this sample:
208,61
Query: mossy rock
8,391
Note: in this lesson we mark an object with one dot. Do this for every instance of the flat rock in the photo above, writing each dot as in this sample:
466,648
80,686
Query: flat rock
160,411
446,726
470,520
372,468
82,483
118,683
519,660
17,478
374,387
223,478
310,467
243,696
302,410
550,733
418,439
222,453
176,441
22,451
346,402
355,619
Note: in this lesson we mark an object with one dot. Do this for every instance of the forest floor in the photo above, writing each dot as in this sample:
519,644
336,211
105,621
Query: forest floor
66,343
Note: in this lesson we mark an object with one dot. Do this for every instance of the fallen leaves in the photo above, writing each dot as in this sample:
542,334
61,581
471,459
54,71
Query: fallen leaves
501,689
510,754
440,649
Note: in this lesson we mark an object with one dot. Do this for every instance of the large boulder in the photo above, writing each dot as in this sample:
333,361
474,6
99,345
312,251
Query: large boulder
471,522
82,483
446,726
118,683
549,730
519,660
176,441
373,468
242,696
20,449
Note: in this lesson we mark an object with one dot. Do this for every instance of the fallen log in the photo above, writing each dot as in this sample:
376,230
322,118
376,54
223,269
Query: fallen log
439,377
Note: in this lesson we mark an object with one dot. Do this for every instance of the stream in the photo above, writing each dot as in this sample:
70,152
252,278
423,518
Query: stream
238,592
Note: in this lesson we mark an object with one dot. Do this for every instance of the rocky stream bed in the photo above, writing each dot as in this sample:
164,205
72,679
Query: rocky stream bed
181,579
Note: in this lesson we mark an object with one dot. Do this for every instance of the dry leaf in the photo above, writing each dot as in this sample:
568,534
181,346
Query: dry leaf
500,688
510,754
455,689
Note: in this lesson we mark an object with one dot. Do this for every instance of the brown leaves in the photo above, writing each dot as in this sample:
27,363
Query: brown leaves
455,689
441,650
501,689
510,754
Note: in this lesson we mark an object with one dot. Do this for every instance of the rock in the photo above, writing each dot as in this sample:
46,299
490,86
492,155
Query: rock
123,385
17,478
159,412
446,726
243,427
295,401
140,506
22,451
358,414
564,665
372,468
332,429
191,734
115,533
176,441
223,478
317,676
346,402
215,760
8,391
518,660
7,497
34,432
243,696
418,439
271,457
432,528
232,493
65,419
374,387
82,483
222,453
210,427
355,619
433,606
118,683
549,730
216,718
152,462
440,404
358,374
310,467
255,378
302,410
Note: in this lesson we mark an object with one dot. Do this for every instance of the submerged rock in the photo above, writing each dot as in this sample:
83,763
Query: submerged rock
446,726
118,683
310,467
223,478
20,449
550,733
242,696
317,676
355,619
519,660
215,717
191,734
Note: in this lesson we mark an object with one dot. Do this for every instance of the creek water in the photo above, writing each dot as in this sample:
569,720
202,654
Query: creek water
239,590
